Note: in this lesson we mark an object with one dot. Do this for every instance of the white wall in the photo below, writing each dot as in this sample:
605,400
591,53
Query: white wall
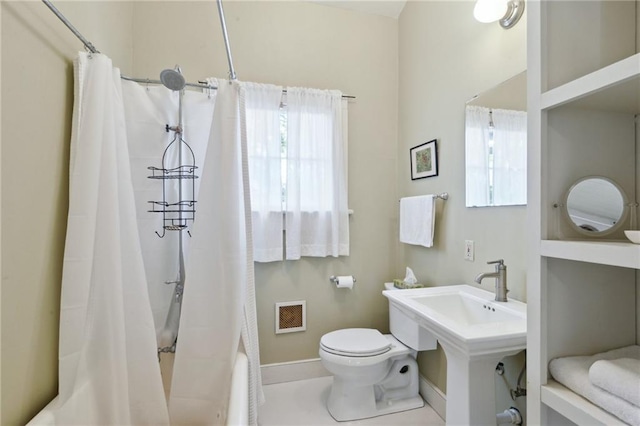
446,57
37,96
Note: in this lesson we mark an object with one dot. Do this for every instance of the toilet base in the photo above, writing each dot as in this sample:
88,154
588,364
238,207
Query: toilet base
349,400
365,406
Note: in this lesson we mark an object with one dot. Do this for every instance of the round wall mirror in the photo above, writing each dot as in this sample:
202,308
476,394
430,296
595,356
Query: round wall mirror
596,205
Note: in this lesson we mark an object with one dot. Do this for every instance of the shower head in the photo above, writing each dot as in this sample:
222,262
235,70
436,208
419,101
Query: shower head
173,79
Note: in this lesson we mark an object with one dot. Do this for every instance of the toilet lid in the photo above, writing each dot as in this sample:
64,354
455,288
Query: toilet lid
355,342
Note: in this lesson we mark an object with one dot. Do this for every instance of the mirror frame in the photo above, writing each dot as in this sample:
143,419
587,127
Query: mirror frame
614,228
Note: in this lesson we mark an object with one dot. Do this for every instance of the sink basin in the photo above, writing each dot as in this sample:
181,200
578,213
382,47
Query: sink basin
466,311
475,332
465,316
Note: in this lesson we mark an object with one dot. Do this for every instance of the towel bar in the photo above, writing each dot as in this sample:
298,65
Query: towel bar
442,196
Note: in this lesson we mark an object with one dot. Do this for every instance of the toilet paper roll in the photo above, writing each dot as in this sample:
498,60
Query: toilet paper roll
345,281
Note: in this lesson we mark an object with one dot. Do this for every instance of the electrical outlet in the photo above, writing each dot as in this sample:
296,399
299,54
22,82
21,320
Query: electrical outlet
468,250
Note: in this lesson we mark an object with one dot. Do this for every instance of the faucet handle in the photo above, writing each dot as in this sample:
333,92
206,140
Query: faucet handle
499,263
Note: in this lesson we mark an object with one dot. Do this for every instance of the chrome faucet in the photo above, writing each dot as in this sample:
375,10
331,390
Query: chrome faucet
501,279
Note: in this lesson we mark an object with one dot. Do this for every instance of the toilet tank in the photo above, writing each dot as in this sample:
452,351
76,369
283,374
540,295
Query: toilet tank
409,332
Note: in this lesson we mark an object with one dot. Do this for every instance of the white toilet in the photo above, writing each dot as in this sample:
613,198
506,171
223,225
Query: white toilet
374,374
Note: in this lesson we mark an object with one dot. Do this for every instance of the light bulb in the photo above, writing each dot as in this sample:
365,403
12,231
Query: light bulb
490,10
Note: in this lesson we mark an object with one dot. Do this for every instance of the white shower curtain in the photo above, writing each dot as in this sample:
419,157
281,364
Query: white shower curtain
148,109
217,274
109,372
108,368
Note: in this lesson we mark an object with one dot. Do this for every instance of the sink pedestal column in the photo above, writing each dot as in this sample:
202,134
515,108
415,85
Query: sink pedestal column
471,390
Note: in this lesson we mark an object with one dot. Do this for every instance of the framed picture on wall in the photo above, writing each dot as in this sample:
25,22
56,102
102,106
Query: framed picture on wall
424,160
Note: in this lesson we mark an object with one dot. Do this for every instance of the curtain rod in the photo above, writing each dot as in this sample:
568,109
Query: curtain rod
200,84
73,29
225,36
92,49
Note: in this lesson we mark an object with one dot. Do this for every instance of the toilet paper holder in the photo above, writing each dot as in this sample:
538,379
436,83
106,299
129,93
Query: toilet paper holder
334,279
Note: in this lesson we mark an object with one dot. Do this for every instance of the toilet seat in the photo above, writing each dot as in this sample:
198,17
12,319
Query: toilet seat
355,342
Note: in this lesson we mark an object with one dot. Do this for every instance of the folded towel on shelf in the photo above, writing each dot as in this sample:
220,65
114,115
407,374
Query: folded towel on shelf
573,372
620,377
417,220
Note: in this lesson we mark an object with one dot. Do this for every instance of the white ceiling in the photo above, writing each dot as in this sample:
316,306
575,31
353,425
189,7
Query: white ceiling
391,8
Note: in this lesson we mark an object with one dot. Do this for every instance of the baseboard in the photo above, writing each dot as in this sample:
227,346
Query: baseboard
434,397
292,371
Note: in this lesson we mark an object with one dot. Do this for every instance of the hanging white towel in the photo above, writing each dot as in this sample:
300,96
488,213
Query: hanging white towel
417,220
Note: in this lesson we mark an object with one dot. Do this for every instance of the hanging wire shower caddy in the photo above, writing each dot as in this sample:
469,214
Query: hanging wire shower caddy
178,165
176,214
177,174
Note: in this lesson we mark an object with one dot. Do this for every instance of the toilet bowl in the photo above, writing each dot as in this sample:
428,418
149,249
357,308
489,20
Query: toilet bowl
373,374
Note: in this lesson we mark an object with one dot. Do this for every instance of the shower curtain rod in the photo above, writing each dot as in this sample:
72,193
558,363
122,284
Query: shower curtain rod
225,36
200,85
73,29
92,49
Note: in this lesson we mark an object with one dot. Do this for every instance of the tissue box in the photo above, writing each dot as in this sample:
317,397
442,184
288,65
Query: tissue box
399,283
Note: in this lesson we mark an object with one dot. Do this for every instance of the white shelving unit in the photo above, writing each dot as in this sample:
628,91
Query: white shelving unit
614,253
583,102
611,87
574,407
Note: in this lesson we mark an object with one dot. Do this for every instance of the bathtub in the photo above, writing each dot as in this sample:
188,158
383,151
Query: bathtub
237,415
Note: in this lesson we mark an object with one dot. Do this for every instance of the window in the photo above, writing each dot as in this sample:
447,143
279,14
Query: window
297,160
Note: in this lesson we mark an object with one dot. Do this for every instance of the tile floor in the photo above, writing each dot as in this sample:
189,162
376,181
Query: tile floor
303,403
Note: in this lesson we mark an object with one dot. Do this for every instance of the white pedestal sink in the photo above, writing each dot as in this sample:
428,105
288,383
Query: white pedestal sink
475,332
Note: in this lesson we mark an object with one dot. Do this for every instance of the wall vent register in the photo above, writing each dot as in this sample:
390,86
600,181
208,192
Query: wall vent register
291,316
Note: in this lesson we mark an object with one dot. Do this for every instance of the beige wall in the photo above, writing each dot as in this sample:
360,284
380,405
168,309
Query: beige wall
285,43
304,44
446,57
37,96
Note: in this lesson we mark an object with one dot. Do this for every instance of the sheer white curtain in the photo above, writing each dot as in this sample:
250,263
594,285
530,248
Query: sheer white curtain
108,366
261,103
477,155
510,154
317,220
496,157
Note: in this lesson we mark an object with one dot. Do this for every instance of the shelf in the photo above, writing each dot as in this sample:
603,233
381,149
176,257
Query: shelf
611,253
612,88
574,407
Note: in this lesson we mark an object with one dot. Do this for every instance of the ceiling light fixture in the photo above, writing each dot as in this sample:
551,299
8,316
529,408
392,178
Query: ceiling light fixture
507,12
